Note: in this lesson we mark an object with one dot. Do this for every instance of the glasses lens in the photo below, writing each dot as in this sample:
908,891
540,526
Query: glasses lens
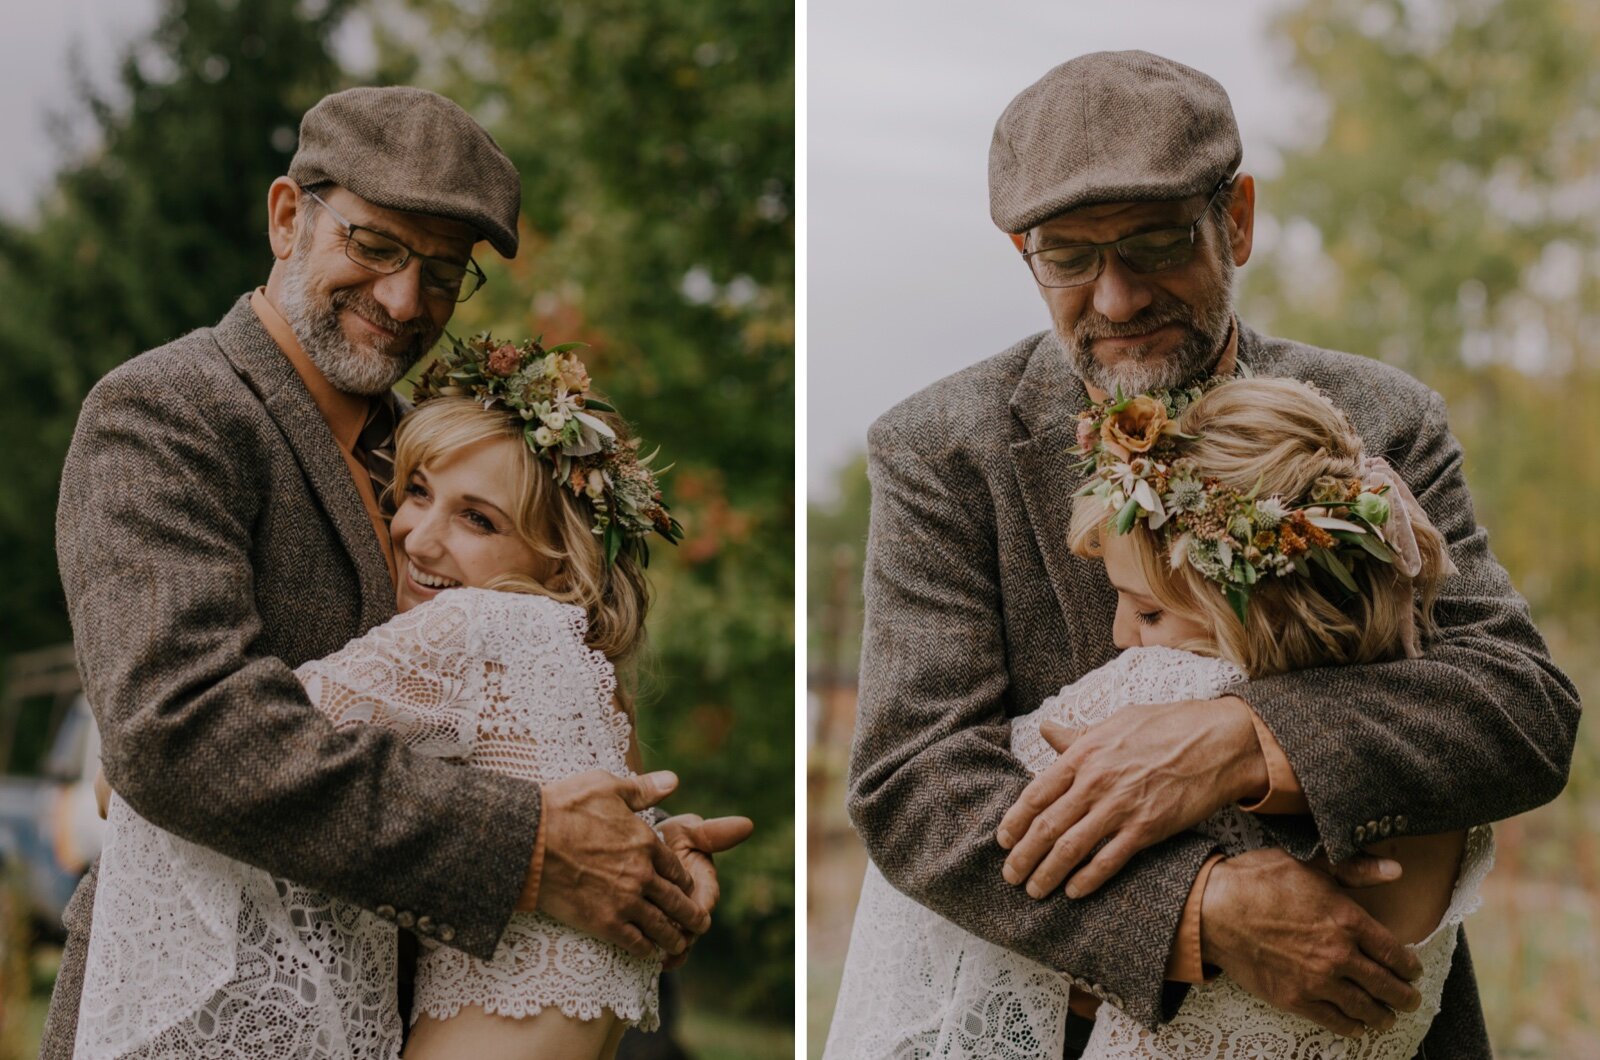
1166,248
464,287
1066,266
374,251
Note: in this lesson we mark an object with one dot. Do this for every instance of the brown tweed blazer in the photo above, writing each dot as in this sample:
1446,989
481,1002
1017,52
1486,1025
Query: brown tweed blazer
976,611
210,539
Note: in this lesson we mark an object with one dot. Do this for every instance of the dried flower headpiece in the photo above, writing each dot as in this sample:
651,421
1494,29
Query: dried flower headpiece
1235,539
549,390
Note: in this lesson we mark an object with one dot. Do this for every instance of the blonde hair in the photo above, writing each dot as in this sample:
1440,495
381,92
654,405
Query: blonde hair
1281,436
553,521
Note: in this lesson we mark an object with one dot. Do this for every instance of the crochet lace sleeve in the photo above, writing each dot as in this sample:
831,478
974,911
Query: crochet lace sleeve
415,676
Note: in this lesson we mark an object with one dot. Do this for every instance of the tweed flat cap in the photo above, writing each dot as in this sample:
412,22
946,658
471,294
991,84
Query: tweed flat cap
1109,127
410,149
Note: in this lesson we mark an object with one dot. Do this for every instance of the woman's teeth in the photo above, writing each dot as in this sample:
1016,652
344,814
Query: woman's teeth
430,581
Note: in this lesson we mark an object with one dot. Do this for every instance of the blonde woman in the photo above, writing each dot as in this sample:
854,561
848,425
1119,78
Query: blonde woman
519,541
1246,534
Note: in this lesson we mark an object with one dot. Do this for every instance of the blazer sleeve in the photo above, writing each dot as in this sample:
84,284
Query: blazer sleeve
931,772
209,738
1479,728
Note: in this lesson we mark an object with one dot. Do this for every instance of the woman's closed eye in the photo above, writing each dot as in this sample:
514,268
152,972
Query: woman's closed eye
1148,618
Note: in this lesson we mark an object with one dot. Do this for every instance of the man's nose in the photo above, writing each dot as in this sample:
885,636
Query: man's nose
400,293
1120,294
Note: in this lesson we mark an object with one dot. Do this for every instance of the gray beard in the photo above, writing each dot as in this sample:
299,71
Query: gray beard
367,371
1205,331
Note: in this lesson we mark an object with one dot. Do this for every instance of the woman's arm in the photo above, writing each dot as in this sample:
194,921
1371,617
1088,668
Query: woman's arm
1413,905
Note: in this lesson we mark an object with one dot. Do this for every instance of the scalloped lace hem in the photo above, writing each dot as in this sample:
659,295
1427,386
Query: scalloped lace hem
630,1011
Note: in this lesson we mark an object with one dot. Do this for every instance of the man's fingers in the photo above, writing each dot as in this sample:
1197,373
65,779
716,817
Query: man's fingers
1329,1018
647,789
631,939
670,868
1365,870
1065,856
1040,840
674,901
1058,735
661,932
722,833
1360,1005
1385,986
1040,794
1379,943
1104,865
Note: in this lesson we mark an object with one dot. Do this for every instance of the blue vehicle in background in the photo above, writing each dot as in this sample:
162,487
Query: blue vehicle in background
50,828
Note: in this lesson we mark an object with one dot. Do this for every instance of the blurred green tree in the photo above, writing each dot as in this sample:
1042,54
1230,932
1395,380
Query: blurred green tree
656,146
154,232
1448,222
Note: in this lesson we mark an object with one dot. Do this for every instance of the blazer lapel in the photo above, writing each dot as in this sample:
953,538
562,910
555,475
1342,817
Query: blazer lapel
1045,409
268,372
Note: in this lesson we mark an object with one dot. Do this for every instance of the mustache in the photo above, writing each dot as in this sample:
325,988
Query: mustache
368,307
1091,325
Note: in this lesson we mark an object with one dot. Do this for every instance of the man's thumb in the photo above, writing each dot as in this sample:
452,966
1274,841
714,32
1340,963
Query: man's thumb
648,789
1058,735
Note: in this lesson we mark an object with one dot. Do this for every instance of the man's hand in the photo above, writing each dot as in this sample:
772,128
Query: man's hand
1284,932
606,873
694,840
1145,773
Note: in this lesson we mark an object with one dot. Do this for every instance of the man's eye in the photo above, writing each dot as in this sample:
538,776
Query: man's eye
443,278
1070,259
376,251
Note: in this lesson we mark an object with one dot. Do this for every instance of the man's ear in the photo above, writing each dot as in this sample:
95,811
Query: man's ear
1242,217
283,206
1018,240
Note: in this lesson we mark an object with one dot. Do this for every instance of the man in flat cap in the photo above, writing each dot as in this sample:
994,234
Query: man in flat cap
220,524
1116,176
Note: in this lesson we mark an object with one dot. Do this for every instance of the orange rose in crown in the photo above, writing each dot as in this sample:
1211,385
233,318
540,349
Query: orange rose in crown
1136,427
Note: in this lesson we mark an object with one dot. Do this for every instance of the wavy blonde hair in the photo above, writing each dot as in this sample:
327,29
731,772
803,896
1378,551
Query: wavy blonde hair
1282,435
550,519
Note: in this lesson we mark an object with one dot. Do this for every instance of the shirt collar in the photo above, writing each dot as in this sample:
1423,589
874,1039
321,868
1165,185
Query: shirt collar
345,413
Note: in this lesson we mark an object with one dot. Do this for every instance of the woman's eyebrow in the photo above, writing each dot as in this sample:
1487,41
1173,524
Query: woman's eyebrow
484,502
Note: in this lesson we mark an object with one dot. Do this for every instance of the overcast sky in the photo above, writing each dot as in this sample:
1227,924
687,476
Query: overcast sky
908,280
35,80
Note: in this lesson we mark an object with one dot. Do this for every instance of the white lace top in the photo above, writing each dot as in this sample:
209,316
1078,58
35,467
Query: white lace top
193,954
917,986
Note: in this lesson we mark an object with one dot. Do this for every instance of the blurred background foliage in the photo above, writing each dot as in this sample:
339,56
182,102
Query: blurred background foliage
656,146
1448,222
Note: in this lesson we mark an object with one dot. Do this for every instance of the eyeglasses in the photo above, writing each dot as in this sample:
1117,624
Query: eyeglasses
376,252
1075,264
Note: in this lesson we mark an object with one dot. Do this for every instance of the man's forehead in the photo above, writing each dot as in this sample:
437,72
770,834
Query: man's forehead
1086,221
432,233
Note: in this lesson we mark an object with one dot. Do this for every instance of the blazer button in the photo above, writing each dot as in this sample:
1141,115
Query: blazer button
1361,834
405,919
425,925
1385,826
1098,991
1113,1000
446,933
1400,822
385,911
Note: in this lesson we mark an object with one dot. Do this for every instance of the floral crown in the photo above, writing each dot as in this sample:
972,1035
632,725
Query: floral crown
1235,539
549,390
